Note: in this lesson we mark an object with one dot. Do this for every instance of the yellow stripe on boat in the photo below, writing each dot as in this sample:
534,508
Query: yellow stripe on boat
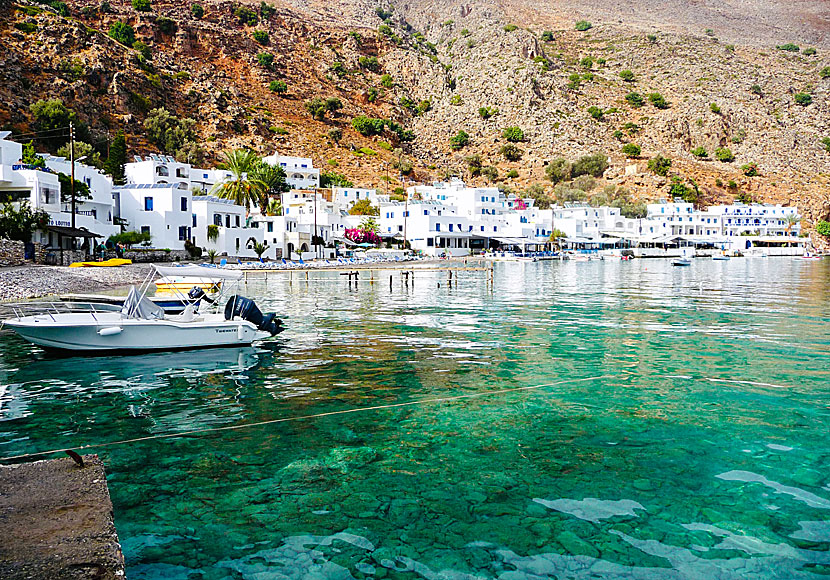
111,263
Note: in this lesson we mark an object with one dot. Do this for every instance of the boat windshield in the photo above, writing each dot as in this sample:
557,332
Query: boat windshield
139,306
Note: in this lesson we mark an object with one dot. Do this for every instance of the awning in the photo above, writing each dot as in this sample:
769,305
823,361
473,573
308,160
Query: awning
73,232
198,272
345,241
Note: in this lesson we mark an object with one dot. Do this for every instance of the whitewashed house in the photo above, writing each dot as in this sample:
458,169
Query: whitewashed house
228,221
300,172
163,210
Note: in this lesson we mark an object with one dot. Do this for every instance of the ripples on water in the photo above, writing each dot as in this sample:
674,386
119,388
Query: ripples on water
680,428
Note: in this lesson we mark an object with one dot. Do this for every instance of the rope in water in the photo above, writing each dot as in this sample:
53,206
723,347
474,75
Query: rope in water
303,417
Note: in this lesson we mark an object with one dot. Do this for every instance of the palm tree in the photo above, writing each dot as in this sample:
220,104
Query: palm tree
241,187
790,222
555,236
273,178
274,207
258,247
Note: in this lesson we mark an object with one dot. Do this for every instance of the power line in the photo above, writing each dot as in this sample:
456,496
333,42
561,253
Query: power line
35,133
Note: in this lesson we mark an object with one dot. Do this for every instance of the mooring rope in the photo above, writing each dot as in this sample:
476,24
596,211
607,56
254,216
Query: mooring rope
304,417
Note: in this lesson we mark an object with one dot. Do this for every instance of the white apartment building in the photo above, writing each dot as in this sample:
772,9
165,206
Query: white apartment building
166,170
346,197
41,189
299,171
233,236
163,210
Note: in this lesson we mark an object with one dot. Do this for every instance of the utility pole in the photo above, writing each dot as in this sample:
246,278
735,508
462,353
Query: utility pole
72,176
386,165
316,237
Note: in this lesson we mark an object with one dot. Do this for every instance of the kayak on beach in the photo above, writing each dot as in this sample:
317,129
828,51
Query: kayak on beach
111,263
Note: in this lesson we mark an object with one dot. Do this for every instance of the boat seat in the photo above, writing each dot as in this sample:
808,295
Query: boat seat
187,316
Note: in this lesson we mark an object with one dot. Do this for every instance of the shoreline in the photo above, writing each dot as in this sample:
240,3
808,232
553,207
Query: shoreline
34,281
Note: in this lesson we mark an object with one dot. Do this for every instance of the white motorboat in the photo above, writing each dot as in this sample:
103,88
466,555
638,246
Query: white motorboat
681,262
720,257
141,325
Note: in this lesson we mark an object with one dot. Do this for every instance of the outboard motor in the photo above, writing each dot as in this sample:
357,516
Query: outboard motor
246,309
197,293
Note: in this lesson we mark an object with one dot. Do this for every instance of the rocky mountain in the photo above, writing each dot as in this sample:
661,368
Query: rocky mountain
744,81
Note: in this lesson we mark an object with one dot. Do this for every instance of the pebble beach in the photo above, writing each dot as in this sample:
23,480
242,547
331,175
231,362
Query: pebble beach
27,282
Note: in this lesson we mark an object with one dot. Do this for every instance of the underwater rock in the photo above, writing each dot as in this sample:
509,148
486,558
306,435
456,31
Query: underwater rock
576,545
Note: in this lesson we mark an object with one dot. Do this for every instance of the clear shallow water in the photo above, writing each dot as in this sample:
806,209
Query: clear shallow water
679,428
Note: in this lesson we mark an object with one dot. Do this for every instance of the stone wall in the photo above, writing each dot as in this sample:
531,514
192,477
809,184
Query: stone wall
64,257
12,253
157,255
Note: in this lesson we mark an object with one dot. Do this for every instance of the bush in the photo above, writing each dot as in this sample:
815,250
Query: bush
490,172
756,90
266,10
122,32
336,180
129,238
823,228
367,126
369,62
246,16
583,25
279,87
27,27
513,134
265,59
750,169
631,150
826,142
635,100
595,112
789,47
167,132
803,99
510,28
658,101
595,165
456,100
511,152
487,112
473,164
809,52
142,5
261,36
143,50
547,36
700,152
714,108
386,81
558,170
587,63
166,25
460,140
512,174
725,155
659,165
825,72
627,76
197,10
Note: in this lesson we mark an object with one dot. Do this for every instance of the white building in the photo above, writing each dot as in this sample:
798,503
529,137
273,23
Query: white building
227,222
299,171
163,210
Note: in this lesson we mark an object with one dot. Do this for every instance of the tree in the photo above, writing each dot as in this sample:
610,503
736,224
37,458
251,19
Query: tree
30,156
364,207
274,207
258,247
332,179
368,126
114,165
490,172
473,164
273,179
790,221
52,119
659,165
142,5
81,188
823,228
724,155
627,76
631,150
198,11
595,165
168,132
460,140
122,32
555,236
513,134
318,107
82,150
18,223
240,187
511,152
558,170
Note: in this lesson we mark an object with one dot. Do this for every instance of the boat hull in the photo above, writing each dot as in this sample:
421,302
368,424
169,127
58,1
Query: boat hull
108,332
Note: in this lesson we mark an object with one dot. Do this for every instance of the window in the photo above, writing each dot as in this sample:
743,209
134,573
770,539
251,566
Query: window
270,226
184,204
430,242
217,219
237,221
426,212
450,227
482,228
227,221
145,229
182,233
400,228
194,220
437,227
237,244
406,214
148,204
495,229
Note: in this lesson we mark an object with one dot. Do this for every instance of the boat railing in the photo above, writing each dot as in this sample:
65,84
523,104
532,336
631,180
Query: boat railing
47,308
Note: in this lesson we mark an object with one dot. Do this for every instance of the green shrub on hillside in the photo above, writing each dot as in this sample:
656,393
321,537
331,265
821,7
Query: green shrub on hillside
261,36
265,60
715,108
724,155
583,25
803,99
511,152
825,72
658,101
510,28
460,140
197,10
823,228
700,152
595,112
789,47
631,150
659,165
547,36
627,76
487,112
279,87
635,100
142,5
246,16
809,52
595,165
122,32
513,134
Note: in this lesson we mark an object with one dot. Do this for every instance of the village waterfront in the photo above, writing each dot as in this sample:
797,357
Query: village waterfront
601,419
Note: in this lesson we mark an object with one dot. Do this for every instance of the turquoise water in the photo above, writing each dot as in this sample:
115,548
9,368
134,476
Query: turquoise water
606,420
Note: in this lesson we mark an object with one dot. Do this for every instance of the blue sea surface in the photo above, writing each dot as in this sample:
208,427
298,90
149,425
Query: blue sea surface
571,420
